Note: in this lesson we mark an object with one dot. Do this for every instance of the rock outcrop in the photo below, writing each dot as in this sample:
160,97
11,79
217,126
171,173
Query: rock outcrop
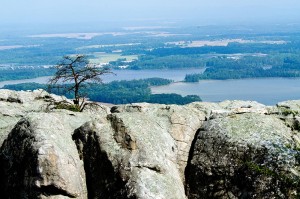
146,145
232,149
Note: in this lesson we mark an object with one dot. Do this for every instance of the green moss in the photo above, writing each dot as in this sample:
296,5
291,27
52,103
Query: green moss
289,146
70,107
295,148
286,112
260,169
290,181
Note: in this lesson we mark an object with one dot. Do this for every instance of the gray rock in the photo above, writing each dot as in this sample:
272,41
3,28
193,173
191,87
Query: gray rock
15,105
244,156
39,159
291,104
232,149
144,148
38,156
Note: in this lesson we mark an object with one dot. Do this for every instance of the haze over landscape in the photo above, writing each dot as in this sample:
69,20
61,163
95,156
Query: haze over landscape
204,12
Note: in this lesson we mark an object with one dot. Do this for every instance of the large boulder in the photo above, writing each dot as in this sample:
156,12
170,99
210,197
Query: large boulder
39,159
140,151
15,105
249,155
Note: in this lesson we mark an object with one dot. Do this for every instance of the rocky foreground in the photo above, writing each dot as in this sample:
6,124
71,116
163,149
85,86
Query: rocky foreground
232,149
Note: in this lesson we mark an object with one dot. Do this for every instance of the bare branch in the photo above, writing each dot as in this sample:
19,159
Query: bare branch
73,72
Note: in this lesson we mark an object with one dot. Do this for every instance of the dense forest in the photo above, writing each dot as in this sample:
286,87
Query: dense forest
278,66
24,73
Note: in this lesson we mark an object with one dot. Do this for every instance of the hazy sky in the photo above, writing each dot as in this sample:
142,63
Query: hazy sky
197,11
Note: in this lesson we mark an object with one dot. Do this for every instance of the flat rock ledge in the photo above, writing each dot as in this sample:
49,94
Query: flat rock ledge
232,149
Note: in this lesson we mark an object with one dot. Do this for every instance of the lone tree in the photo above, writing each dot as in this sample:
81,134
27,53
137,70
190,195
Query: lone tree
72,74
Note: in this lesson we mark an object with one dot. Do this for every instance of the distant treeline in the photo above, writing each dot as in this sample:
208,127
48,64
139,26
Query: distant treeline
222,74
234,56
231,48
288,66
165,62
120,92
284,65
24,73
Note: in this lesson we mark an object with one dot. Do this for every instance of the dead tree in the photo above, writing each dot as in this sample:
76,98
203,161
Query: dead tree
73,73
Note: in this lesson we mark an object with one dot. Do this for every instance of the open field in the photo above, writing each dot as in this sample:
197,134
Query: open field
16,46
101,58
107,45
85,36
224,42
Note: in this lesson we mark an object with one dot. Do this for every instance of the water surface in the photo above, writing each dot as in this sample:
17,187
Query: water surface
174,74
268,91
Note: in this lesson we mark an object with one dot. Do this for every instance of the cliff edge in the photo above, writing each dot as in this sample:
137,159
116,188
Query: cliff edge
232,149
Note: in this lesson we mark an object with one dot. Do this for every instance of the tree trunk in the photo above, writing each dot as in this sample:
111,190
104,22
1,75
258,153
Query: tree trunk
76,100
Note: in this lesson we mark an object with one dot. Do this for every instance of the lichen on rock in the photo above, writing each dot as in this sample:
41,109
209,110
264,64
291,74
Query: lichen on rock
246,155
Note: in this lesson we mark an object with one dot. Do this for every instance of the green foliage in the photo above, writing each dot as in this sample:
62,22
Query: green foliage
167,62
24,73
276,65
124,92
26,86
70,107
173,99
286,111
260,169
223,74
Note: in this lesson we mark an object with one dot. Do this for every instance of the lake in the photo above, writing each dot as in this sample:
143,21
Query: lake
175,74
40,80
268,91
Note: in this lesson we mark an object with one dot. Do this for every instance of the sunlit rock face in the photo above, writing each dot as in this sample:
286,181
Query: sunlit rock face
232,149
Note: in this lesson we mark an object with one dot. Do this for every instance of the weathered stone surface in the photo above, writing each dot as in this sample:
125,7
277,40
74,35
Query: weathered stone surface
291,104
15,105
246,155
39,159
11,111
147,147
27,97
232,149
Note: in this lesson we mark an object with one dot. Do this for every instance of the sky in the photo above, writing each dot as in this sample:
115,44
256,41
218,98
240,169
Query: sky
200,12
